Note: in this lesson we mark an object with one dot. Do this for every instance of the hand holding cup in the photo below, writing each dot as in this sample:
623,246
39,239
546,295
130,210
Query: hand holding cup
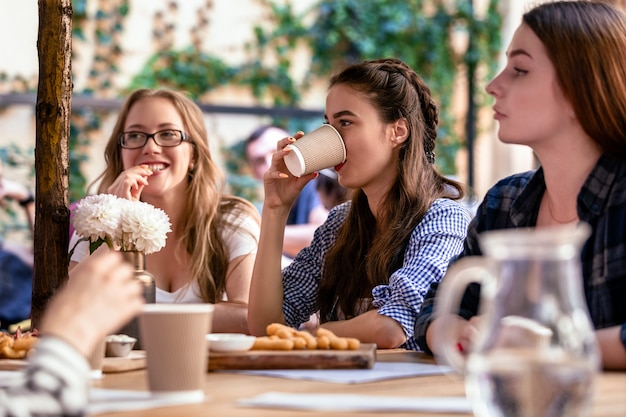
319,149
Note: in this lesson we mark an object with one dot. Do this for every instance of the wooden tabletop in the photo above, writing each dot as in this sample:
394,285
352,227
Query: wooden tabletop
223,390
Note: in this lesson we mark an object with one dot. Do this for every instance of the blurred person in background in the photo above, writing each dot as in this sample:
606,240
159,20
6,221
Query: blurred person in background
16,259
307,212
331,193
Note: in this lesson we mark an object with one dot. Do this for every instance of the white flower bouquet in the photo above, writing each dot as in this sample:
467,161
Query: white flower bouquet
120,223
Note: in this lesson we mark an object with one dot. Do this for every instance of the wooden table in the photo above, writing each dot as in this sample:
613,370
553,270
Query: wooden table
224,389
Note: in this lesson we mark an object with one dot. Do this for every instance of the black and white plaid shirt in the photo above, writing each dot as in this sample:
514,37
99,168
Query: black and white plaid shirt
514,202
434,241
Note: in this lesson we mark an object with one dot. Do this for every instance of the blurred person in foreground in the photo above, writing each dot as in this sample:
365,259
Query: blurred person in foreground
99,297
370,264
562,93
307,212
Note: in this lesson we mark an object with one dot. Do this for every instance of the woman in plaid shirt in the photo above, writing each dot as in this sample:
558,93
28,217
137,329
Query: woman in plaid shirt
563,93
369,265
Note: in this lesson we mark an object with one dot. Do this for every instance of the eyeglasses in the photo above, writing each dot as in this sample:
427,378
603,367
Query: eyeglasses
164,138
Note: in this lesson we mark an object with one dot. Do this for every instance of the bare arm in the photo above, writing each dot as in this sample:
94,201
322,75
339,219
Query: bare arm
370,327
266,290
611,348
231,316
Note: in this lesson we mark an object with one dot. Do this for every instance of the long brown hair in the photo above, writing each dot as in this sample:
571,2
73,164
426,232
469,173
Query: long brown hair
207,209
369,249
586,42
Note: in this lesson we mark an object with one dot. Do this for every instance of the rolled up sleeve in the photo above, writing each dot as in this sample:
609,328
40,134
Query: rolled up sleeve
434,242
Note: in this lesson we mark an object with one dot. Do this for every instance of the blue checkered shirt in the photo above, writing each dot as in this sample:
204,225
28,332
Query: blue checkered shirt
434,242
514,202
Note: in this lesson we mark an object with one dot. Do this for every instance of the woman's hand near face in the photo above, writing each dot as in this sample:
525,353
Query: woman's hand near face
130,183
282,188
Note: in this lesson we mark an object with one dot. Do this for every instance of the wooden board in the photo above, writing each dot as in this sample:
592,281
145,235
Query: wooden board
135,360
12,364
363,358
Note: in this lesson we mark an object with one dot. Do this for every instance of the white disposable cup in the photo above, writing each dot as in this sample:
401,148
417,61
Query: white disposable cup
319,149
176,347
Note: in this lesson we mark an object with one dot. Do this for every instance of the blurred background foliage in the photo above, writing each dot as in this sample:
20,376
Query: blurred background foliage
439,38
421,33
14,157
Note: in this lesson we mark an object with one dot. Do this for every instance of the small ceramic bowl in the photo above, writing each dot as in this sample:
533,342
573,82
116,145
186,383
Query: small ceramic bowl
119,345
230,342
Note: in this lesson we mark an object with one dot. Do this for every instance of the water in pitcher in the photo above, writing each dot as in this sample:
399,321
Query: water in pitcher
528,383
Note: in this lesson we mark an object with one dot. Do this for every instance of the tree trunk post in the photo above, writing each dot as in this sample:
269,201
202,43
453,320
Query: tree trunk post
53,109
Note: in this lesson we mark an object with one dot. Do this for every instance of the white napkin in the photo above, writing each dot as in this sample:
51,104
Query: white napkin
8,378
350,402
379,372
108,400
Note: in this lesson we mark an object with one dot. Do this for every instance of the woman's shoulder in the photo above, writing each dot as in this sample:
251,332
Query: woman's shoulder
233,207
339,212
447,206
446,212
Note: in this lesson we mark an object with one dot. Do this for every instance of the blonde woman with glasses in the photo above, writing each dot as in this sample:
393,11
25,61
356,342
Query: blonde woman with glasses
158,153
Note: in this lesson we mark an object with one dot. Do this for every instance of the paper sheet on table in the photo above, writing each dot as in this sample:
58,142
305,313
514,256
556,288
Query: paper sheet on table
381,371
351,402
108,400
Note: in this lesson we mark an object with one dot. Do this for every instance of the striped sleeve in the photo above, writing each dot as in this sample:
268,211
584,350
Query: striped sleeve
55,383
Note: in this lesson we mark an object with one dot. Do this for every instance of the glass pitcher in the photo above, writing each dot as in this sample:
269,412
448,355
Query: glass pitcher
534,353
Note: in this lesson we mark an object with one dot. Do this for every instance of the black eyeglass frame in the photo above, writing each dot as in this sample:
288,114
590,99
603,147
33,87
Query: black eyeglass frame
183,138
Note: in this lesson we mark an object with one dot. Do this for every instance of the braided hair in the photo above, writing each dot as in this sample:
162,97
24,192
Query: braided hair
378,243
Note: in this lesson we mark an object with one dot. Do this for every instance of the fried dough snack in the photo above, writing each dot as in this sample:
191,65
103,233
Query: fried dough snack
18,346
281,337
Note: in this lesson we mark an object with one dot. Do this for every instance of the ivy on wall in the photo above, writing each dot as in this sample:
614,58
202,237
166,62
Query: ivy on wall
189,70
107,47
421,33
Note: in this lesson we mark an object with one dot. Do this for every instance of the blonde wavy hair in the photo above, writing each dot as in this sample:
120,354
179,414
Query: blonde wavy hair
208,208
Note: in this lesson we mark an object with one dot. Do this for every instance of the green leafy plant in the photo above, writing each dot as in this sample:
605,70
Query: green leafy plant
13,156
422,33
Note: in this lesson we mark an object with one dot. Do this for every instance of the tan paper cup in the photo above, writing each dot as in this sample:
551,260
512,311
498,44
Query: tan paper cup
319,149
176,347
96,360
